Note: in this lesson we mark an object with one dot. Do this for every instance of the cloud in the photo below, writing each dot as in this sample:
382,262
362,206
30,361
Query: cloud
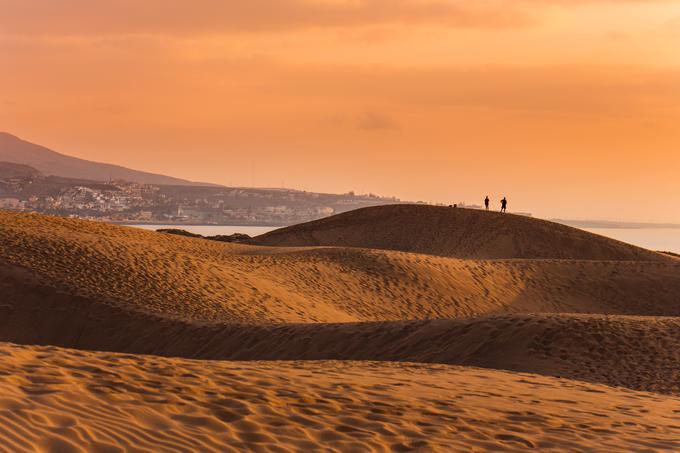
83,17
181,17
586,91
373,121
674,24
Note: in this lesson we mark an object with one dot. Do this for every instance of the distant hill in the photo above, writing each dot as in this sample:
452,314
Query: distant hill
456,233
11,170
18,151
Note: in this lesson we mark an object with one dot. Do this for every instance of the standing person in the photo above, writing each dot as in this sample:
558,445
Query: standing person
486,202
504,204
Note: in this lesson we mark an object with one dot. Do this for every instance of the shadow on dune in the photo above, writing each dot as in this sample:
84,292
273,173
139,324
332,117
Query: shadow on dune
634,352
86,285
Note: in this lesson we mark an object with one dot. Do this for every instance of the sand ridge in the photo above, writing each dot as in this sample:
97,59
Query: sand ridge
75,401
457,233
640,353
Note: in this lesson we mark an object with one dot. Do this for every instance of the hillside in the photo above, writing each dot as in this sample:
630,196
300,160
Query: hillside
457,233
10,170
73,187
15,150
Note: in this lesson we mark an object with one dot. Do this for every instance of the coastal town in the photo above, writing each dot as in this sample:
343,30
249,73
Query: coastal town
25,190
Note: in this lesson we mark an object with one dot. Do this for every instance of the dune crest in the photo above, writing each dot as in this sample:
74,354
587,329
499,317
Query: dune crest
456,233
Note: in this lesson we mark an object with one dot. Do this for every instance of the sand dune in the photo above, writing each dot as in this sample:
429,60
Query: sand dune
71,401
639,353
195,280
458,233
94,286
609,317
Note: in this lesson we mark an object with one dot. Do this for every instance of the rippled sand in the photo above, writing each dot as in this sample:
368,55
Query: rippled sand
64,400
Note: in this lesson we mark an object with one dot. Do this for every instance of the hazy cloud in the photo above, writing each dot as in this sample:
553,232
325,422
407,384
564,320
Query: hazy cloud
581,90
674,24
74,17
373,121
180,17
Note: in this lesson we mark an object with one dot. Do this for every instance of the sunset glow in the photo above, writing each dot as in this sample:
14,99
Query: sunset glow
568,108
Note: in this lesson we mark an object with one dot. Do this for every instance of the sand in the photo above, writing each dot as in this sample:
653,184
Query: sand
68,401
203,281
456,233
552,340
641,353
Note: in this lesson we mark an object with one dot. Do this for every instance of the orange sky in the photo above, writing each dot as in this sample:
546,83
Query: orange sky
570,108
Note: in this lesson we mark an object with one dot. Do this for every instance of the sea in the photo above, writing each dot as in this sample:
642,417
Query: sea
211,230
661,239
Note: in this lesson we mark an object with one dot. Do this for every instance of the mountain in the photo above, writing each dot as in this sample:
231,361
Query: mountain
15,150
11,170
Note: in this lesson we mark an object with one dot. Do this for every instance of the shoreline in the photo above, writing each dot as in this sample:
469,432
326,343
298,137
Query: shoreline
234,224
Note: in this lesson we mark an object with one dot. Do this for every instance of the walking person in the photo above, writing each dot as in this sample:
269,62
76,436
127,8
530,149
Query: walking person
504,204
486,202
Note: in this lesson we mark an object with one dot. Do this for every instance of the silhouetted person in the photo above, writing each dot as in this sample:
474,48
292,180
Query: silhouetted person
486,202
504,204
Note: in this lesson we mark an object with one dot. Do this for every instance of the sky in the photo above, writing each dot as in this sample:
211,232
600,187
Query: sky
569,108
